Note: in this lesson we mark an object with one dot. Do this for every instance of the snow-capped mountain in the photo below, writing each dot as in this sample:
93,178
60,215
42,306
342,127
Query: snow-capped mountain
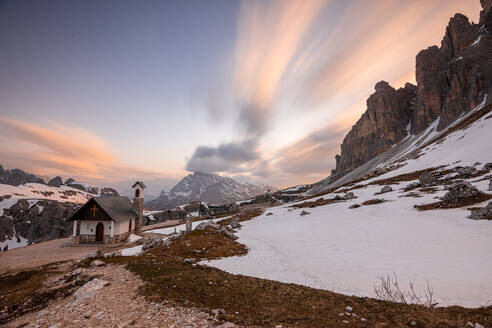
206,187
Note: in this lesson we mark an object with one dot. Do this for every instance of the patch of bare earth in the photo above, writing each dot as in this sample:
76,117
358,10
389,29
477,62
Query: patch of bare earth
318,202
481,197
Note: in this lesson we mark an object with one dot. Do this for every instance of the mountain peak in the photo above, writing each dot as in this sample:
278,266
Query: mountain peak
206,187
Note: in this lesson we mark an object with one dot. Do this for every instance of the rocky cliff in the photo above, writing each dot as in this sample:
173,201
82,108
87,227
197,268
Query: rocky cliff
451,80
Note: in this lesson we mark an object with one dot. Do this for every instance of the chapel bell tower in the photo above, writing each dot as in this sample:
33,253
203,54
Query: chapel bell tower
138,204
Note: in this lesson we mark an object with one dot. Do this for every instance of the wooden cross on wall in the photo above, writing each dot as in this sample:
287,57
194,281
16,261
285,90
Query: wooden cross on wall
94,209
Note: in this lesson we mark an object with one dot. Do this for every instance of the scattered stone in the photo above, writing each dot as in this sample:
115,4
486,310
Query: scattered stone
459,191
412,185
115,253
349,309
413,323
477,325
97,263
341,314
386,189
78,271
469,324
87,315
90,289
235,223
345,321
210,225
229,234
42,313
269,213
427,178
348,196
228,325
218,313
354,206
305,213
485,213
465,171
151,241
363,319
94,254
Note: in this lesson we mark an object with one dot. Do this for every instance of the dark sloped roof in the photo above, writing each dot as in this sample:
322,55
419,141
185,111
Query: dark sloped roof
119,208
140,183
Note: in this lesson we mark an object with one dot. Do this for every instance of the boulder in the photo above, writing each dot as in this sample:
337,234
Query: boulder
90,289
94,254
465,171
485,213
97,263
386,189
427,178
151,242
348,196
235,223
354,206
209,225
458,191
305,213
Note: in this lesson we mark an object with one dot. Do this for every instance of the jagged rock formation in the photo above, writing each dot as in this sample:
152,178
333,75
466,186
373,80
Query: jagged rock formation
207,187
385,123
16,177
451,79
39,221
55,182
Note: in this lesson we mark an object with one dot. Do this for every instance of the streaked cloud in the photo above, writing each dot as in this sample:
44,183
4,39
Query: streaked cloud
52,149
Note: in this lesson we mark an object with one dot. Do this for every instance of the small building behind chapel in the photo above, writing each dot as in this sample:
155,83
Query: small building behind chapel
109,219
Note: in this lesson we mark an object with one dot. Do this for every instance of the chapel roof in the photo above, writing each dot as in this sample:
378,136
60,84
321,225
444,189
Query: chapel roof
119,208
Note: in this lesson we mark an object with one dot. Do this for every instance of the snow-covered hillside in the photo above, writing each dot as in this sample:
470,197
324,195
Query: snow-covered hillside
347,250
9,195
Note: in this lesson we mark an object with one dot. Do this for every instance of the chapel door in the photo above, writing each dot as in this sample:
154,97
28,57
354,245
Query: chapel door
99,231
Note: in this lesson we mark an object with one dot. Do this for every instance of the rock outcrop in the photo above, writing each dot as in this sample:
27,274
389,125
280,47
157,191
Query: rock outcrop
41,221
451,80
55,182
16,177
383,124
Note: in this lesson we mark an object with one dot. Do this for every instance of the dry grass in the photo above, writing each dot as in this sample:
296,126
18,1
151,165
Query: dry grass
25,291
481,197
373,201
201,244
318,202
265,303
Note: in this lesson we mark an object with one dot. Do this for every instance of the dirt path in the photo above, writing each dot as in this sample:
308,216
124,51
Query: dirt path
27,257
115,305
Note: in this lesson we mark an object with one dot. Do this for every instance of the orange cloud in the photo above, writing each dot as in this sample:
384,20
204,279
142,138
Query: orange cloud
66,151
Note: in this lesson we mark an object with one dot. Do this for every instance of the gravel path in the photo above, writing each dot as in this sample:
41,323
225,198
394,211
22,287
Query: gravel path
115,305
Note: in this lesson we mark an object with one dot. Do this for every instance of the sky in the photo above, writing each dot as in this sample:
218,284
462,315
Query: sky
108,92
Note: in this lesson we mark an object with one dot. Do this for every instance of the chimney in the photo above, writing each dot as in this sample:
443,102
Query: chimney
138,205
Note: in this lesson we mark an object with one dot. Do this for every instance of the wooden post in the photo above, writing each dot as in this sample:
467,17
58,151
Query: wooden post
75,228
